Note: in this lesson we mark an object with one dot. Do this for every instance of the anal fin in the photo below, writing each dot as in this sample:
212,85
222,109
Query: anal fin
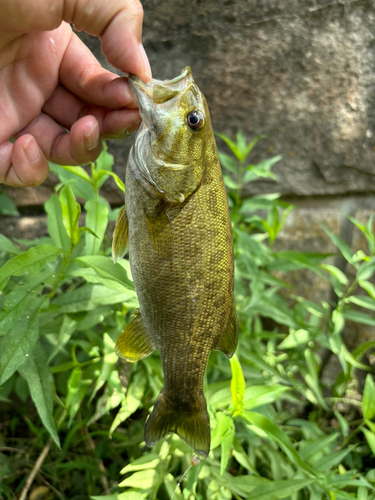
228,339
134,343
120,236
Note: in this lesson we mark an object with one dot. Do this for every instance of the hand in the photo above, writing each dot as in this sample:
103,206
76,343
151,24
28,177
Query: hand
50,82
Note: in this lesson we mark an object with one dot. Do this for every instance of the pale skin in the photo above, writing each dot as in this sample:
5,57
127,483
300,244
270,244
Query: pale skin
56,101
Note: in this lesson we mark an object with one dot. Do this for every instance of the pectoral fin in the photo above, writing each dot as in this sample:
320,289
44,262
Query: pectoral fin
134,343
160,231
228,340
120,236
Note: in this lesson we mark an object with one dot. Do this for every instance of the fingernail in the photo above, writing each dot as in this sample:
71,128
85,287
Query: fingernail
32,150
146,63
92,138
129,130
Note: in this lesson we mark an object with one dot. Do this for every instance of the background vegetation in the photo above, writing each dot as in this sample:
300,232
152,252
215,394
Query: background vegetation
278,431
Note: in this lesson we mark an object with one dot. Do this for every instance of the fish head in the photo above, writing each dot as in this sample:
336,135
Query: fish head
175,141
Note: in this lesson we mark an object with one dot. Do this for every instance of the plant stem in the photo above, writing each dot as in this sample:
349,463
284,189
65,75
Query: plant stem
35,469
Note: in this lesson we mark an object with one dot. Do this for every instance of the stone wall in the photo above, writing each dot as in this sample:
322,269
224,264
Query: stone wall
300,71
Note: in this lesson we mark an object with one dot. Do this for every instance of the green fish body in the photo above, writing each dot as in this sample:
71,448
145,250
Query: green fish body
176,222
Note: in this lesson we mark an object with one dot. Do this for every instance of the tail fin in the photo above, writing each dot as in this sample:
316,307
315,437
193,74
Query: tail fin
192,426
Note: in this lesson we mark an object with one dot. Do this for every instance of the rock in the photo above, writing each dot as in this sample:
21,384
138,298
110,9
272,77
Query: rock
300,72
27,227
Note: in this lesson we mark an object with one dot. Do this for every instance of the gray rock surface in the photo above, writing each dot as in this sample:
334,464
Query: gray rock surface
301,72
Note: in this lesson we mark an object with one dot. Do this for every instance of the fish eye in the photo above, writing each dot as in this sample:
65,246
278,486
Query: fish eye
195,120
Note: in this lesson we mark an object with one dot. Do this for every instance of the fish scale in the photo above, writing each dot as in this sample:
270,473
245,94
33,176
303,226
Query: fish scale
177,222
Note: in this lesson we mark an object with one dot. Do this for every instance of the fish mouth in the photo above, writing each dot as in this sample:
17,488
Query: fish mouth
158,92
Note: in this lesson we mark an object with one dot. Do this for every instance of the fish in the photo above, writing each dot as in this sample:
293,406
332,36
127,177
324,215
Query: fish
177,228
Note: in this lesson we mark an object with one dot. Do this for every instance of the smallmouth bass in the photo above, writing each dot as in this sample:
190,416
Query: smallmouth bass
177,227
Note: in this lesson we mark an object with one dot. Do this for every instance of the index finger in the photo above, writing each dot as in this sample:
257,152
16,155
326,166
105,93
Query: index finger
118,23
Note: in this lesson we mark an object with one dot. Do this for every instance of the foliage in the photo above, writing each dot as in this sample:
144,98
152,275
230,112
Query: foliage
278,430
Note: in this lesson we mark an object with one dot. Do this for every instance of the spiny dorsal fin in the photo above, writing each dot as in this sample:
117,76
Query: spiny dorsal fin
228,339
134,343
120,236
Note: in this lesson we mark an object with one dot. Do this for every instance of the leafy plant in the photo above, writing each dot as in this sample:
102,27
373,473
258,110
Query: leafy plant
278,431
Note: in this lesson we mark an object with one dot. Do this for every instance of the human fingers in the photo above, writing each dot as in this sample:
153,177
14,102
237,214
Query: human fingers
118,23
81,73
79,146
66,109
22,163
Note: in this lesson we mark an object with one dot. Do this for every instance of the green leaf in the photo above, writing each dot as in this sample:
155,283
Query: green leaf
365,230
237,385
96,219
79,172
359,317
312,377
143,480
295,338
7,206
40,381
55,224
232,146
341,245
369,287
362,301
370,438
262,169
336,272
277,434
366,270
105,267
256,396
149,461
331,460
89,297
226,447
6,245
242,458
317,445
109,361
368,402
31,262
132,401
228,162
16,301
102,173
71,211
241,485
278,489
223,426
344,426
229,182
251,145
18,344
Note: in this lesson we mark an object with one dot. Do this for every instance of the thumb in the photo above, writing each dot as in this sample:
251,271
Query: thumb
118,23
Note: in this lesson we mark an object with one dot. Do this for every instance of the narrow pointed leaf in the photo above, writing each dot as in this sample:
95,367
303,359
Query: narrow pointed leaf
368,403
18,344
278,489
40,381
55,224
31,262
97,220
237,385
277,434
